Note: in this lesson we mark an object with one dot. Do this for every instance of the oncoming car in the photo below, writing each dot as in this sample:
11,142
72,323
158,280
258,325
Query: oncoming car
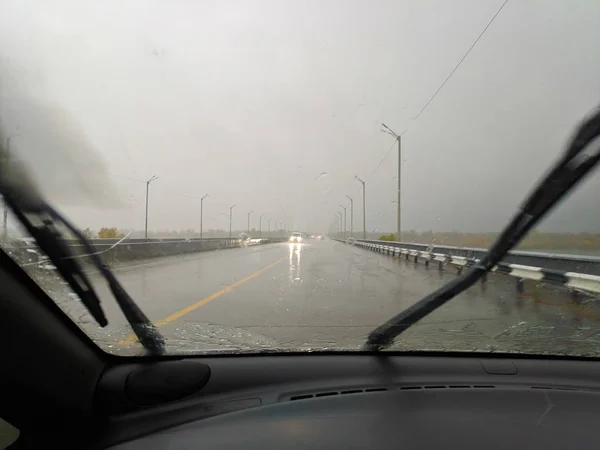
296,237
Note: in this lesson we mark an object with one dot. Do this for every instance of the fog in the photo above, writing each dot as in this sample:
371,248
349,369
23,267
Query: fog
274,106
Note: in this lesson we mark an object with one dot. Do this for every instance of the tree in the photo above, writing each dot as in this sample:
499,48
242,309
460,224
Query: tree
109,233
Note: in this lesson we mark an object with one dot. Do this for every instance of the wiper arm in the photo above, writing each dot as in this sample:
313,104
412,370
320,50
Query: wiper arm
564,175
40,220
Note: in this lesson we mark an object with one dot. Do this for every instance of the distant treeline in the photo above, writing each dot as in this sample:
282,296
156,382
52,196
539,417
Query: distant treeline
535,240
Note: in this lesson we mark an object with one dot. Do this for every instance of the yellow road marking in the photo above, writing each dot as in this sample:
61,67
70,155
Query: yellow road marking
133,338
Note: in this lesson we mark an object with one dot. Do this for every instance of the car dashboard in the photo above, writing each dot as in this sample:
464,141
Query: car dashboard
364,401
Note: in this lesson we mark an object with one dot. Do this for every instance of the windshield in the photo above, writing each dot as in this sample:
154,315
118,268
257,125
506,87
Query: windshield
287,176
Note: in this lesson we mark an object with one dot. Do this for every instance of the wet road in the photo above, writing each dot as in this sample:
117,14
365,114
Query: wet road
328,295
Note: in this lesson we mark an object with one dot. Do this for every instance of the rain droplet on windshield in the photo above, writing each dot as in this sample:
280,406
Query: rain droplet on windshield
325,180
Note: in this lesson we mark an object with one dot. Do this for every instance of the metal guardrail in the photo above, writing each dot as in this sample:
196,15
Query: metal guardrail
130,249
554,261
460,258
111,241
116,250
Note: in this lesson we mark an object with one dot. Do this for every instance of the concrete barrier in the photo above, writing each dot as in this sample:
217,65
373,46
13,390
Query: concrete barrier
111,251
129,250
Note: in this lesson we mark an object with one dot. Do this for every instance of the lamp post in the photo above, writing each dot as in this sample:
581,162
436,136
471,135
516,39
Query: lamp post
351,215
154,177
260,225
230,216
364,195
202,213
398,138
345,221
249,212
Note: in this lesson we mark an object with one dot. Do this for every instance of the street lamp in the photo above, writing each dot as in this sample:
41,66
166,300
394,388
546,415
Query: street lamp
260,225
398,137
201,212
364,207
154,177
230,215
351,215
269,229
345,221
336,219
249,212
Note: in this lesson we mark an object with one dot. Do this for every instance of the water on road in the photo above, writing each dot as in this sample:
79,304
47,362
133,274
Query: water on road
325,295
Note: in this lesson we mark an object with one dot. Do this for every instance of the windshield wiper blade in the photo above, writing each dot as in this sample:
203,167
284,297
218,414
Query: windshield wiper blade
569,170
40,220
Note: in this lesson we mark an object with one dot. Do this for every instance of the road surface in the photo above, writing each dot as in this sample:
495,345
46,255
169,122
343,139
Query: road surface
326,295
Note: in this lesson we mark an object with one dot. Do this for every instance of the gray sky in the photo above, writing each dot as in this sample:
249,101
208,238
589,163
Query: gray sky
275,105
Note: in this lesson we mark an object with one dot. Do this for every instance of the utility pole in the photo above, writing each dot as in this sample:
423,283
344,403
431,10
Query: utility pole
364,196
230,216
345,220
202,212
398,138
249,212
351,215
399,187
260,225
154,177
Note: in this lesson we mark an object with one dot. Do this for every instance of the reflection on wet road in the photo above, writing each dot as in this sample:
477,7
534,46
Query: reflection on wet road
295,274
327,295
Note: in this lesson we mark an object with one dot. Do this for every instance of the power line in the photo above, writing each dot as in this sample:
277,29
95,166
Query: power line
126,177
442,85
461,60
386,154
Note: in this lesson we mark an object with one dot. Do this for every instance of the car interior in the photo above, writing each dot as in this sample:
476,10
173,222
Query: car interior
59,389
